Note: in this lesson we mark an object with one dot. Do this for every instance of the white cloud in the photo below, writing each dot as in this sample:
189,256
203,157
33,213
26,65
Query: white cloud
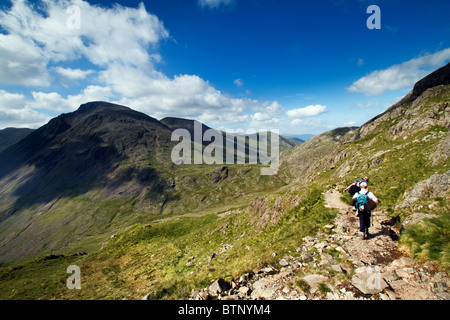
368,105
214,3
309,125
360,62
185,96
22,62
11,100
238,82
55,102
73,74
115,35
274,108
259,116
14,112
401,75
309,111
22,118
120,45
297,122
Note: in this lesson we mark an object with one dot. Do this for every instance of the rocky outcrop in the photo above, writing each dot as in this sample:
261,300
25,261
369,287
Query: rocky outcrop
436,186
417,118
442,152
411,105
264,210
218,174
415,218
436,78
414,116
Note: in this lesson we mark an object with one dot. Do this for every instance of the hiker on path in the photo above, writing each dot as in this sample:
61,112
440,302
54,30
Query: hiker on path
364,202
355,186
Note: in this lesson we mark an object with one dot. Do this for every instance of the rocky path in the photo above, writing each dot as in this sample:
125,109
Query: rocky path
381,247
337,264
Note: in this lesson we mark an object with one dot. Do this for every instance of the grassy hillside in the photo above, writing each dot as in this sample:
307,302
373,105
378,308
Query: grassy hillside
397,150
169,258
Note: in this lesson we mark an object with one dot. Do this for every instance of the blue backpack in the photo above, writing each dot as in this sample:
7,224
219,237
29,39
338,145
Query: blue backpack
361,201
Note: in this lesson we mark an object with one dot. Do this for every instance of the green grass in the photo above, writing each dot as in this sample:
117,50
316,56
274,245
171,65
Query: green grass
400,169
36,279
83,222
303,285
323,289
154,257
429,239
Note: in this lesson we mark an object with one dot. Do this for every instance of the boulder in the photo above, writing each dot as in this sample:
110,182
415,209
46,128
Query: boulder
283,263
218,286
262,289
442,152
306,257
244,290
402,262
437,185
314,279
368,280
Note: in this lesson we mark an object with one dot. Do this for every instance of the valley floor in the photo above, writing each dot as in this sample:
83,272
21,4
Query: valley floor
336,264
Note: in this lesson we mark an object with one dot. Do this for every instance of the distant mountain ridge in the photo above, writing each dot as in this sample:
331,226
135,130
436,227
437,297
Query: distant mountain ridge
10,136
81,143
301,137
107,152
174,123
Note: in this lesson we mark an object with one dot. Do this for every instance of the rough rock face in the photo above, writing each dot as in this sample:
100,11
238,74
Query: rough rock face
414,116
437,185
218,174
368,281
438,114
263,212
438,77
416,217
442,152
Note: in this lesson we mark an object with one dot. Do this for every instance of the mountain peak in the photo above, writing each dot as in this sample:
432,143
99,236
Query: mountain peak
439,77
98,106
114,112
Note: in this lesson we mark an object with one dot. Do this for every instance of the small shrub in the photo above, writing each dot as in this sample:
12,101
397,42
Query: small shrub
303,285
323,288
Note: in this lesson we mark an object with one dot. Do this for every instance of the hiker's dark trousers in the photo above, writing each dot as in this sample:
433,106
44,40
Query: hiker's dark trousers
364,221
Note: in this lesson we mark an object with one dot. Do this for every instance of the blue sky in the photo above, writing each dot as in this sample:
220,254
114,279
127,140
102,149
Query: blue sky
300,66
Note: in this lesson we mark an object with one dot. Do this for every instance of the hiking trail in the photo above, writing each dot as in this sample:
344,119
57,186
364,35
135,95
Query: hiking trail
336,264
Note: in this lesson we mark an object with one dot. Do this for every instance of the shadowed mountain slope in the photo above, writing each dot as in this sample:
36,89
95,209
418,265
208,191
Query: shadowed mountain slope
99,168
10,136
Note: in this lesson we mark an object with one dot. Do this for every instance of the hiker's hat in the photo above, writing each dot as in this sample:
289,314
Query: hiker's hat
363,184
366,178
